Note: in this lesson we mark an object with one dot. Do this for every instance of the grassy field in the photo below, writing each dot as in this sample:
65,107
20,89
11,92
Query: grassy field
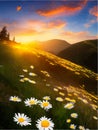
27,73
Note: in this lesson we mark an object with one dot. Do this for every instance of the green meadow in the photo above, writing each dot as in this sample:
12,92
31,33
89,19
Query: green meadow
26,73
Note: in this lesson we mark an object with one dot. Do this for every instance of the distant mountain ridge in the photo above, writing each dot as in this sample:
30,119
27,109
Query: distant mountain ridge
83,53
53,46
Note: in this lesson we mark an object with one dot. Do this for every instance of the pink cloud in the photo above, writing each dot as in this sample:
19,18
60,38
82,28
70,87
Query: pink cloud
94,11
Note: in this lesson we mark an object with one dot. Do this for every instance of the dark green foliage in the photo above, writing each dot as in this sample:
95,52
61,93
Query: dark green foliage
4,35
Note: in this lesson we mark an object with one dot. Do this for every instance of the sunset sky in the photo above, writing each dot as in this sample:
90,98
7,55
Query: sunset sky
70,20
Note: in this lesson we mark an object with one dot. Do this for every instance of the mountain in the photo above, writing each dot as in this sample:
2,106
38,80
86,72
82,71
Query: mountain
34,73
83,53
53,46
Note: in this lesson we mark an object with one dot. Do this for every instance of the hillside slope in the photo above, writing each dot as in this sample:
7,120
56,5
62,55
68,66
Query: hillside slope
35,73
83,53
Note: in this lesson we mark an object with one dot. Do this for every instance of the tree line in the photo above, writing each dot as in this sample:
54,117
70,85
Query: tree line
5,35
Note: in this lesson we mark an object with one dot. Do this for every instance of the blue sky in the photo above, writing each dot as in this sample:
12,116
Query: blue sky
73,20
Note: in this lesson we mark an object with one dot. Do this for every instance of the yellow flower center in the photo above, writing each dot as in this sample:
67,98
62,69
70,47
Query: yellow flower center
21,120
15,98
32,102
45,123
45,104
69,105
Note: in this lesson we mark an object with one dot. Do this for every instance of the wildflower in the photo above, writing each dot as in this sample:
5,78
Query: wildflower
46,98
15,99
21,80
26,79
22,76
68,120
94,117
22,119
25,70
31,81
31,101
32,74
59,87
46,105
44,124
55,89
74,115
81,127
72,126
59,99
62,94
32,67
69,106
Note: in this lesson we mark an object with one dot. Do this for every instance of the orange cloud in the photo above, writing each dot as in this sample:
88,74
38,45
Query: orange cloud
56,24
94,11
72,8
42,26
73,37
18,8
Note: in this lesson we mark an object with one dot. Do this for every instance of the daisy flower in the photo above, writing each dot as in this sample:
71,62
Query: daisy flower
22,76
31,101
74,115
32,74
21,80
94,117
69,106
81,127
26,79
32,67
62,94
59,99
46,98
15,99
25,70
31,81
68,120
72,126
59,87
44,124
46,105
55,89
22,119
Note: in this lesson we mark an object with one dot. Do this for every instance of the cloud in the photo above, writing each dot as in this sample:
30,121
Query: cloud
90,23
45,26
73,37
94,11
18,8
65,9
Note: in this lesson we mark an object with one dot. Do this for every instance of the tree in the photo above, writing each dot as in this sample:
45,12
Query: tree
4,35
